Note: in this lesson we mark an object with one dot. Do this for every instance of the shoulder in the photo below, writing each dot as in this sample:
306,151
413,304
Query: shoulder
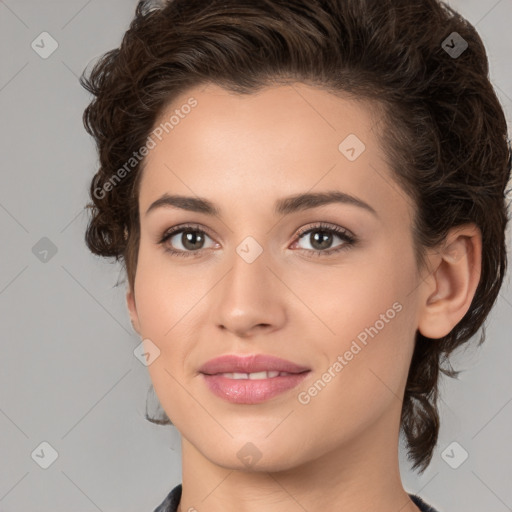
171,501
424,507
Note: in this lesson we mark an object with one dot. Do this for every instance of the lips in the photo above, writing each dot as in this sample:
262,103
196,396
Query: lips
251,379
231,363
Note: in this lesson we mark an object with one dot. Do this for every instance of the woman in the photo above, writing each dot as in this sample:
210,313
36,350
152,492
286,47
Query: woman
308,199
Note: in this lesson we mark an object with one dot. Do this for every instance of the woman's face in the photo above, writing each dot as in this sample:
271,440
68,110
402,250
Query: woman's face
343,305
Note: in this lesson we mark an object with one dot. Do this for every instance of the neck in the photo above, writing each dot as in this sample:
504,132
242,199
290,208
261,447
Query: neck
361,475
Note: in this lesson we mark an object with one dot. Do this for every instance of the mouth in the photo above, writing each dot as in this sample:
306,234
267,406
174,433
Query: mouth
251,379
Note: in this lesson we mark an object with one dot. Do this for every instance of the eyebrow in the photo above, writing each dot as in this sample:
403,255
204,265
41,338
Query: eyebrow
284,206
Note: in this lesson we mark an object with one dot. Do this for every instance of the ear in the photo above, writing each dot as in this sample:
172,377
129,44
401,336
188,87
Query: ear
451,286
132,308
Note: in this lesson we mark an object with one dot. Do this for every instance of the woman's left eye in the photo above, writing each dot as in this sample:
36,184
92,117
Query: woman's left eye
192,239
323,237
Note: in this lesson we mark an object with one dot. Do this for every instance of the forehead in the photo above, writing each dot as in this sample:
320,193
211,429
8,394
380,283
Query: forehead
282,140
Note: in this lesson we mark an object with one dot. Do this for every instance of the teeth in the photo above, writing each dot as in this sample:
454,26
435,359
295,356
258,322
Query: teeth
254,376
263,375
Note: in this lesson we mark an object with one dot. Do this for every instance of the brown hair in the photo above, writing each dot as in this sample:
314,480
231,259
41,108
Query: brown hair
448,147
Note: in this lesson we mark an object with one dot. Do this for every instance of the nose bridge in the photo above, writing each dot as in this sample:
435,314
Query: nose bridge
248,294
249,275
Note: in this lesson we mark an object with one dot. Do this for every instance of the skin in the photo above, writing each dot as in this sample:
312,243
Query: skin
340,450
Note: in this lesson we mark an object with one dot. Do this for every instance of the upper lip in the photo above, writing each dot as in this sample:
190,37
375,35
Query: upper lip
231,363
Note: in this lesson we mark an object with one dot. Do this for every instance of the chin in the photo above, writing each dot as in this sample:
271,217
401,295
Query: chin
255,456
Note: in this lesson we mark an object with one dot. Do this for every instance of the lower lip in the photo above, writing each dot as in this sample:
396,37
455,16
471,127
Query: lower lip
246,391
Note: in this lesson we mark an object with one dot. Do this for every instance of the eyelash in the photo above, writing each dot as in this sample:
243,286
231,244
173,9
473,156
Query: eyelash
346,236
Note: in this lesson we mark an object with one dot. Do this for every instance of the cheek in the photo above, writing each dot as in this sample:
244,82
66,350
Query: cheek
165,294
363,380
169,306
351,298
371,318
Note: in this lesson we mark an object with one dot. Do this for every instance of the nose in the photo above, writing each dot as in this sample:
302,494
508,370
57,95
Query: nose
250,298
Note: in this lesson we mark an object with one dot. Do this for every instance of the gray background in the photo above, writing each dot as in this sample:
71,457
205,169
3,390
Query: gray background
68,375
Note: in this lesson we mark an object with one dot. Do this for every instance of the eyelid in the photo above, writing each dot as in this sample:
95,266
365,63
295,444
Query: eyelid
328,227
186,226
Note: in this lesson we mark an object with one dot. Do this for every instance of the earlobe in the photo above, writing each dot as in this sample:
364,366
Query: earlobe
452,285
132,309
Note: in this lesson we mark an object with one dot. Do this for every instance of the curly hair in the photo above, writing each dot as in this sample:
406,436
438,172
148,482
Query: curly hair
444,132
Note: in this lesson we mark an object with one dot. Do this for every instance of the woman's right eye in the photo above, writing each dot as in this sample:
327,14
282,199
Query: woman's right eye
190,238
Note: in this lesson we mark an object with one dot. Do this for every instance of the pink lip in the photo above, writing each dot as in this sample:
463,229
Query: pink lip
231,363
248,391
